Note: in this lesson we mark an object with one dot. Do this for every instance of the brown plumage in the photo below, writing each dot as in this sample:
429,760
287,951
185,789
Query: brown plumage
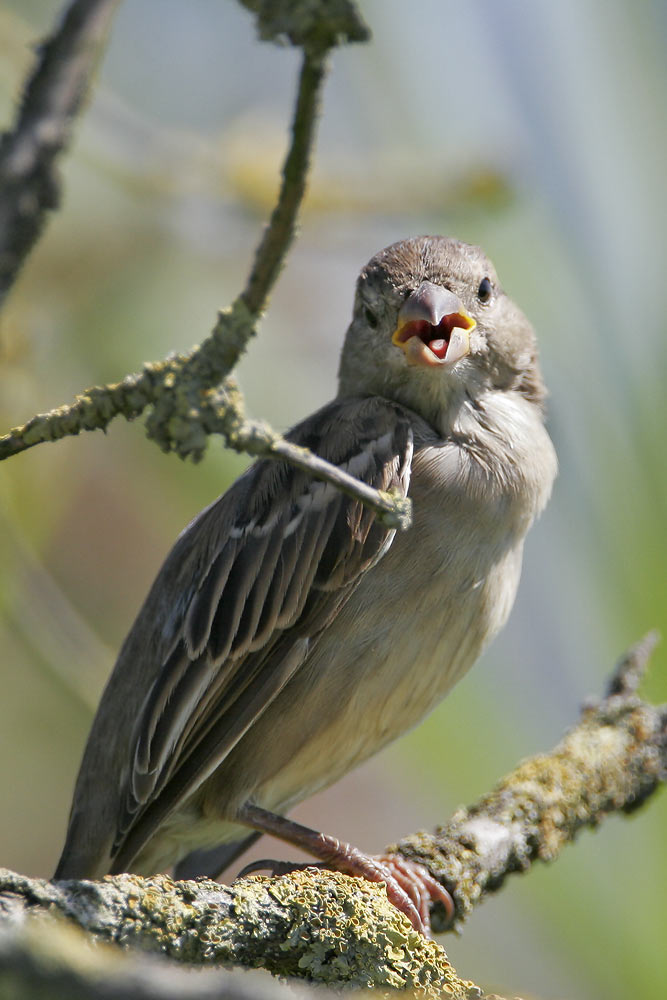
289,635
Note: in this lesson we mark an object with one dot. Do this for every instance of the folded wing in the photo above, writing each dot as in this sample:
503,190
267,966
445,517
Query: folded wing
275,559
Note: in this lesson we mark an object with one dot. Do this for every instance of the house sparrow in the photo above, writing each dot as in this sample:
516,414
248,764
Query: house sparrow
289,634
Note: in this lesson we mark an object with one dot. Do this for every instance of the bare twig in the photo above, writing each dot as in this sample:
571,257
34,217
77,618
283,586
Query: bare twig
29,184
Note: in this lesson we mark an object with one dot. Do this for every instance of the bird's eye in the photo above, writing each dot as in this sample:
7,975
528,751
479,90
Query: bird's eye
485,290
371,318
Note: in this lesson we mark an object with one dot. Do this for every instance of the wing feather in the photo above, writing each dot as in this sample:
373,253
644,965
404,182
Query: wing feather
278,555
231,603
197,624
247,636
312,535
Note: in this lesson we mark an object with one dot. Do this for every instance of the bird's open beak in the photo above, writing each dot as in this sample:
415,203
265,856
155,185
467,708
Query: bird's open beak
433,327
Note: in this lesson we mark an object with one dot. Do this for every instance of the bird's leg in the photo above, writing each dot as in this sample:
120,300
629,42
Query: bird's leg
410,886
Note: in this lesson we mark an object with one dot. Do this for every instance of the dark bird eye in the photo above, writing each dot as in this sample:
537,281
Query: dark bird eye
485,289
371,318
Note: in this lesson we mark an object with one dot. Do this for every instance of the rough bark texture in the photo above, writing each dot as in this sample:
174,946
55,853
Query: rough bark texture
611,761
318,926
340,931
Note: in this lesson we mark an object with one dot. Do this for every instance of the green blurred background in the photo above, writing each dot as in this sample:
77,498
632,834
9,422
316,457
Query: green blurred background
536,129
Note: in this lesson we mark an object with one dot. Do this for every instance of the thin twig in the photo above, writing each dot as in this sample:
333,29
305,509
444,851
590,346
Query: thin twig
280,231
632,667
176,388
29,184
392,509
191,395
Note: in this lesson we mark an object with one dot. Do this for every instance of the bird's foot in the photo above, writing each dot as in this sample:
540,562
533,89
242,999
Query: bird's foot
410,886
422,888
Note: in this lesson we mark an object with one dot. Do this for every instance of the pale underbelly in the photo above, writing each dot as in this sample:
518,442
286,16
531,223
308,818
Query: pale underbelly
387,665
388,687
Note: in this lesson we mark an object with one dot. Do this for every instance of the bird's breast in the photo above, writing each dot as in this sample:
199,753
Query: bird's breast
415,624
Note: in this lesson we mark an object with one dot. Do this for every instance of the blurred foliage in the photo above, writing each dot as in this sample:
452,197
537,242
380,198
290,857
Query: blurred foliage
537,130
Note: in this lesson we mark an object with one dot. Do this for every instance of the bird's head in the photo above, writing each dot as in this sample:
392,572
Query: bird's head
432,327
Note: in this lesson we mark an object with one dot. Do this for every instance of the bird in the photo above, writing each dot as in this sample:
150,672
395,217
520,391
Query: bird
291,634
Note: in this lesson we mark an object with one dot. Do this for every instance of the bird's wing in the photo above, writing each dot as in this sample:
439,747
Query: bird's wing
273,561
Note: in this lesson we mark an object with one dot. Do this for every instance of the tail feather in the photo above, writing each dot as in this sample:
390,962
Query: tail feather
213,861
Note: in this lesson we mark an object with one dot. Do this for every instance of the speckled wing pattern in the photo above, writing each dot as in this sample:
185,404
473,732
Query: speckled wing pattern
286,554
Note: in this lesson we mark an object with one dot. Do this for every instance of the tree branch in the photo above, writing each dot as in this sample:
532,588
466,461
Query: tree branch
338,930
323,927
54,95
42,960
611,761
279,234
192,395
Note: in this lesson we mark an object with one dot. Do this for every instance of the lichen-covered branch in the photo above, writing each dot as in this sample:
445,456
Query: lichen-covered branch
337,930
309,24
191,396
187,393
328,928
611,761
51,961
53,96
279,234
218,411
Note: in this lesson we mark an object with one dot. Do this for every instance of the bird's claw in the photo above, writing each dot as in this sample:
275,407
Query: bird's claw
410,886
420,886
